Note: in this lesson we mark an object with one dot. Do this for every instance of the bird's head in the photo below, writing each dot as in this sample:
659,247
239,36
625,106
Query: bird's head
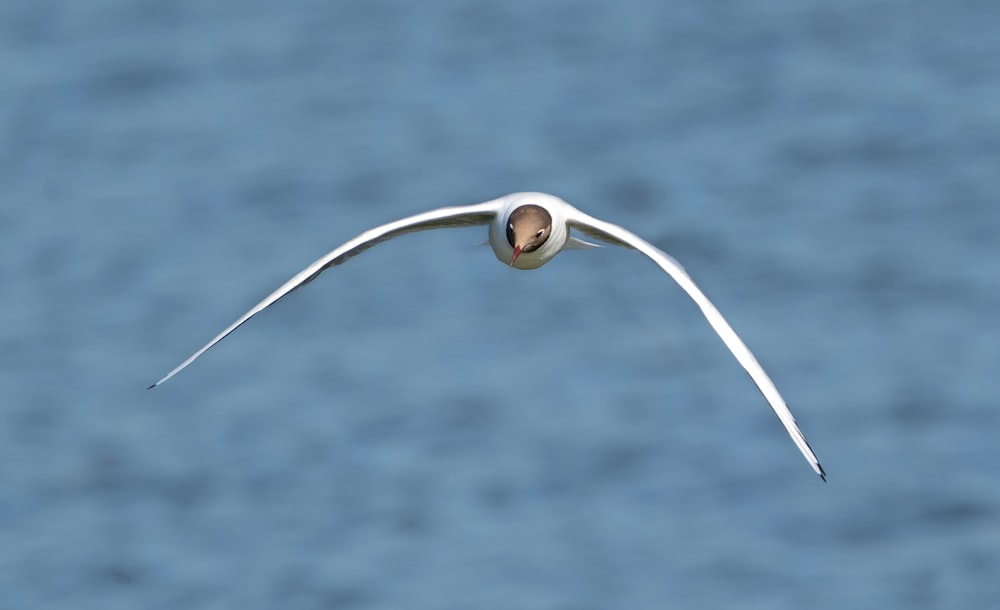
528,227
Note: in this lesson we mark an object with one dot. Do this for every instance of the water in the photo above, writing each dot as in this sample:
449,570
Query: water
422,429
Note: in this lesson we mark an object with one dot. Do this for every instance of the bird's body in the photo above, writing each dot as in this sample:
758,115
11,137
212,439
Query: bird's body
525,231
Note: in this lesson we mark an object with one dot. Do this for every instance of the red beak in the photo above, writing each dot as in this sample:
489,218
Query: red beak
517,252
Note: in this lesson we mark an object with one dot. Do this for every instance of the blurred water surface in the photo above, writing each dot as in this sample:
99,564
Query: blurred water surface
425,428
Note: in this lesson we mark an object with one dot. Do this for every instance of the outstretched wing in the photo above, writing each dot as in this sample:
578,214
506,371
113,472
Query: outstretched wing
614,234
460,216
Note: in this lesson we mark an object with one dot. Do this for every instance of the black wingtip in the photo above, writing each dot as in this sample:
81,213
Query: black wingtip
822,473
151,387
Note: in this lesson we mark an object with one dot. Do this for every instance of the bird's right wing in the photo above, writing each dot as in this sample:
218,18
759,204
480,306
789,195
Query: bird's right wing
459,216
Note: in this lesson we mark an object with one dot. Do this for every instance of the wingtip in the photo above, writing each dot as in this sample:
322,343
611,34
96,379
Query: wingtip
821,472
152,386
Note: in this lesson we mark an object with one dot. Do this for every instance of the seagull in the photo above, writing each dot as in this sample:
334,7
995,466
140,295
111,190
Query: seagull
525,231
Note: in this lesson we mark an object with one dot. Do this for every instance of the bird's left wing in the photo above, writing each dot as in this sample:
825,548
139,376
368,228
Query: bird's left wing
459,216
614,234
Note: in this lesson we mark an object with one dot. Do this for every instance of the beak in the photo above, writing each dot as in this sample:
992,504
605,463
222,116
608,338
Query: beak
517,252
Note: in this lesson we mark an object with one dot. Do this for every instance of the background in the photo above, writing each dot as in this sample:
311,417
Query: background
426,428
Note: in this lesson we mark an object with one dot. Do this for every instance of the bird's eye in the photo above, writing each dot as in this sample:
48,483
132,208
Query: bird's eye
511,226
540,233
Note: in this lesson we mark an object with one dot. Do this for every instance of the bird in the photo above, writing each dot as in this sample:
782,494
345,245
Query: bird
526,230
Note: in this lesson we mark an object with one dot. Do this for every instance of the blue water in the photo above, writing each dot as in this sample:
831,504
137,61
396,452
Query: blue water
425,428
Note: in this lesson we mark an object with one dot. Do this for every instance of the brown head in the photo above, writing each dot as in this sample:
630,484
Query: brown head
527,229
